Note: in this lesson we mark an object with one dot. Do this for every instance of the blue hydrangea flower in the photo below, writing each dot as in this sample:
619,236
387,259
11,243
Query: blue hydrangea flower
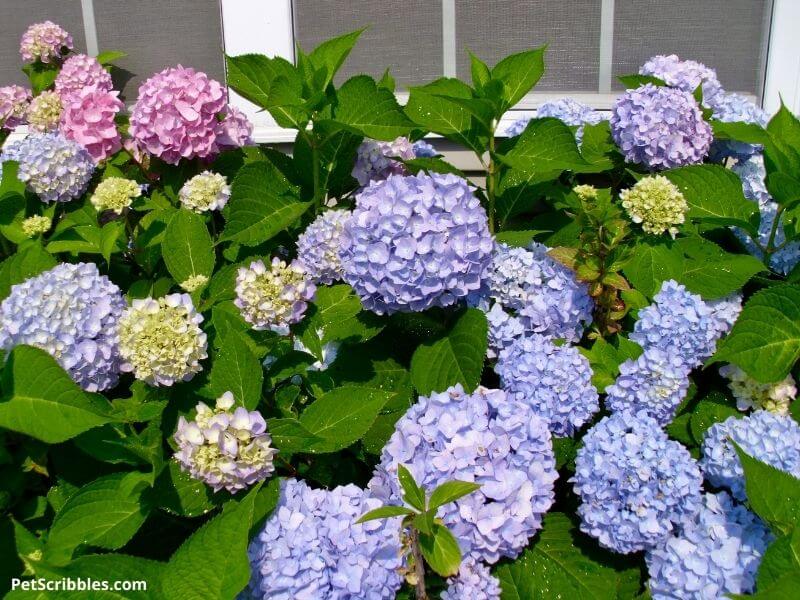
318,246
660,127
415,242
376,160
655,383
484,437
423,149
473,582
773,439
571,112
734,108
54,168
683,325
716,553
556,381
686,75
311,547
530,292
635,484
71,312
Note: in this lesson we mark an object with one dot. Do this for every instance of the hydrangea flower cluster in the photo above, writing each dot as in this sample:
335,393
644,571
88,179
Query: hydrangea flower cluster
81,71
89,119
14,100
36,225
236,130
716,553
415,242
474,582
555,381
194,283
204,192
273,298
376,160
44,112
423,149
530,292
180,114
45,42
729,107
318,246
115,193
751,394
573,113
225,448
656,203
54,168
773,439
660,127
161,341
71,312
312,547
686,75
635,484
484,437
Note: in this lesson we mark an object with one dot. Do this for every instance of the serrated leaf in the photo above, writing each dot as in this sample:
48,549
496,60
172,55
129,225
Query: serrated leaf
29,260
710,271
331,54
650,266
636,80
714,408
450,491
289,435
782,556
765,340
339,316
606,357
781,151
546,146
441,550
236,369
519,73
385,512
412,493
368,110
41,400
187,247
179,493
109,56
251,75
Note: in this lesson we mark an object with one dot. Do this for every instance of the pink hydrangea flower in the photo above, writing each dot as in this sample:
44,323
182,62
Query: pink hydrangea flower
177,114
236,130
81,71
14,101
88,118
44,41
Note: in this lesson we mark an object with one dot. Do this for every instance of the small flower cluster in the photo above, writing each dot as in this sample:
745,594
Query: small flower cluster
204,192
36,225
773,439
312,547
571,112
318,246
635,484
487,438
161,341
273,298
54,168
656,203
71,312
115,194
89,118
415,242
14,101
751,394
81,71
225,448
686,75
715,553
194,283
44,112
46,42
473,582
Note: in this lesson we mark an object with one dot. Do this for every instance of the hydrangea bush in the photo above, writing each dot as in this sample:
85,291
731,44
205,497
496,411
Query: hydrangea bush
349,371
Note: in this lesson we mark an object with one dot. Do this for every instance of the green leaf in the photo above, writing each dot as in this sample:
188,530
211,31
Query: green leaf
518,74
339,316
650,265
251,75
263,203
41,75
441,551
385,512
213,562
340,417
714,408
450,491
782,152
765,340
714,195
12,203
236,369
187,247
41,400
105,513
634,81
782,556
771,493
455,358
710,271
331,54
109,56
29,261
750,133
369,110
518,239
605,359
479,70
289,435
546,146
556,565
179,493
412,493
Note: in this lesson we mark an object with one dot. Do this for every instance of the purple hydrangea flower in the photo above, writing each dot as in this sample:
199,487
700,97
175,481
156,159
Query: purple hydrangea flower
484,437
773,439
14,101
555,381
423,149
415,242
660,127
376,160
473,582
655,383
686,75
734,108
318,246
571,112
54,168
635,484
312,548
71,312
716,553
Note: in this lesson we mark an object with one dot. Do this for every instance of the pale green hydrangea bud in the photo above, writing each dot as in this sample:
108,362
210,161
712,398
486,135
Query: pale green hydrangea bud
751,394
585,192
44,112
36,225
656,203
195,282
115,193
204,192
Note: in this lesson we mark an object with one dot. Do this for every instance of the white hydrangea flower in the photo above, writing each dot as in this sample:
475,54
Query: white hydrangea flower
36,225
204,192
656,203
115,193
752,395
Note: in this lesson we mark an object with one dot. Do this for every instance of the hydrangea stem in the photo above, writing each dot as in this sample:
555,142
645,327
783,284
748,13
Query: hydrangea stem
491,173
419,566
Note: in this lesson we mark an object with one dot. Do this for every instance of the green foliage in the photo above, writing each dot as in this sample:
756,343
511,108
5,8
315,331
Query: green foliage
187,248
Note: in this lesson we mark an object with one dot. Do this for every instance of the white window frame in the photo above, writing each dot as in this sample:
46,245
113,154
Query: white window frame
267,27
